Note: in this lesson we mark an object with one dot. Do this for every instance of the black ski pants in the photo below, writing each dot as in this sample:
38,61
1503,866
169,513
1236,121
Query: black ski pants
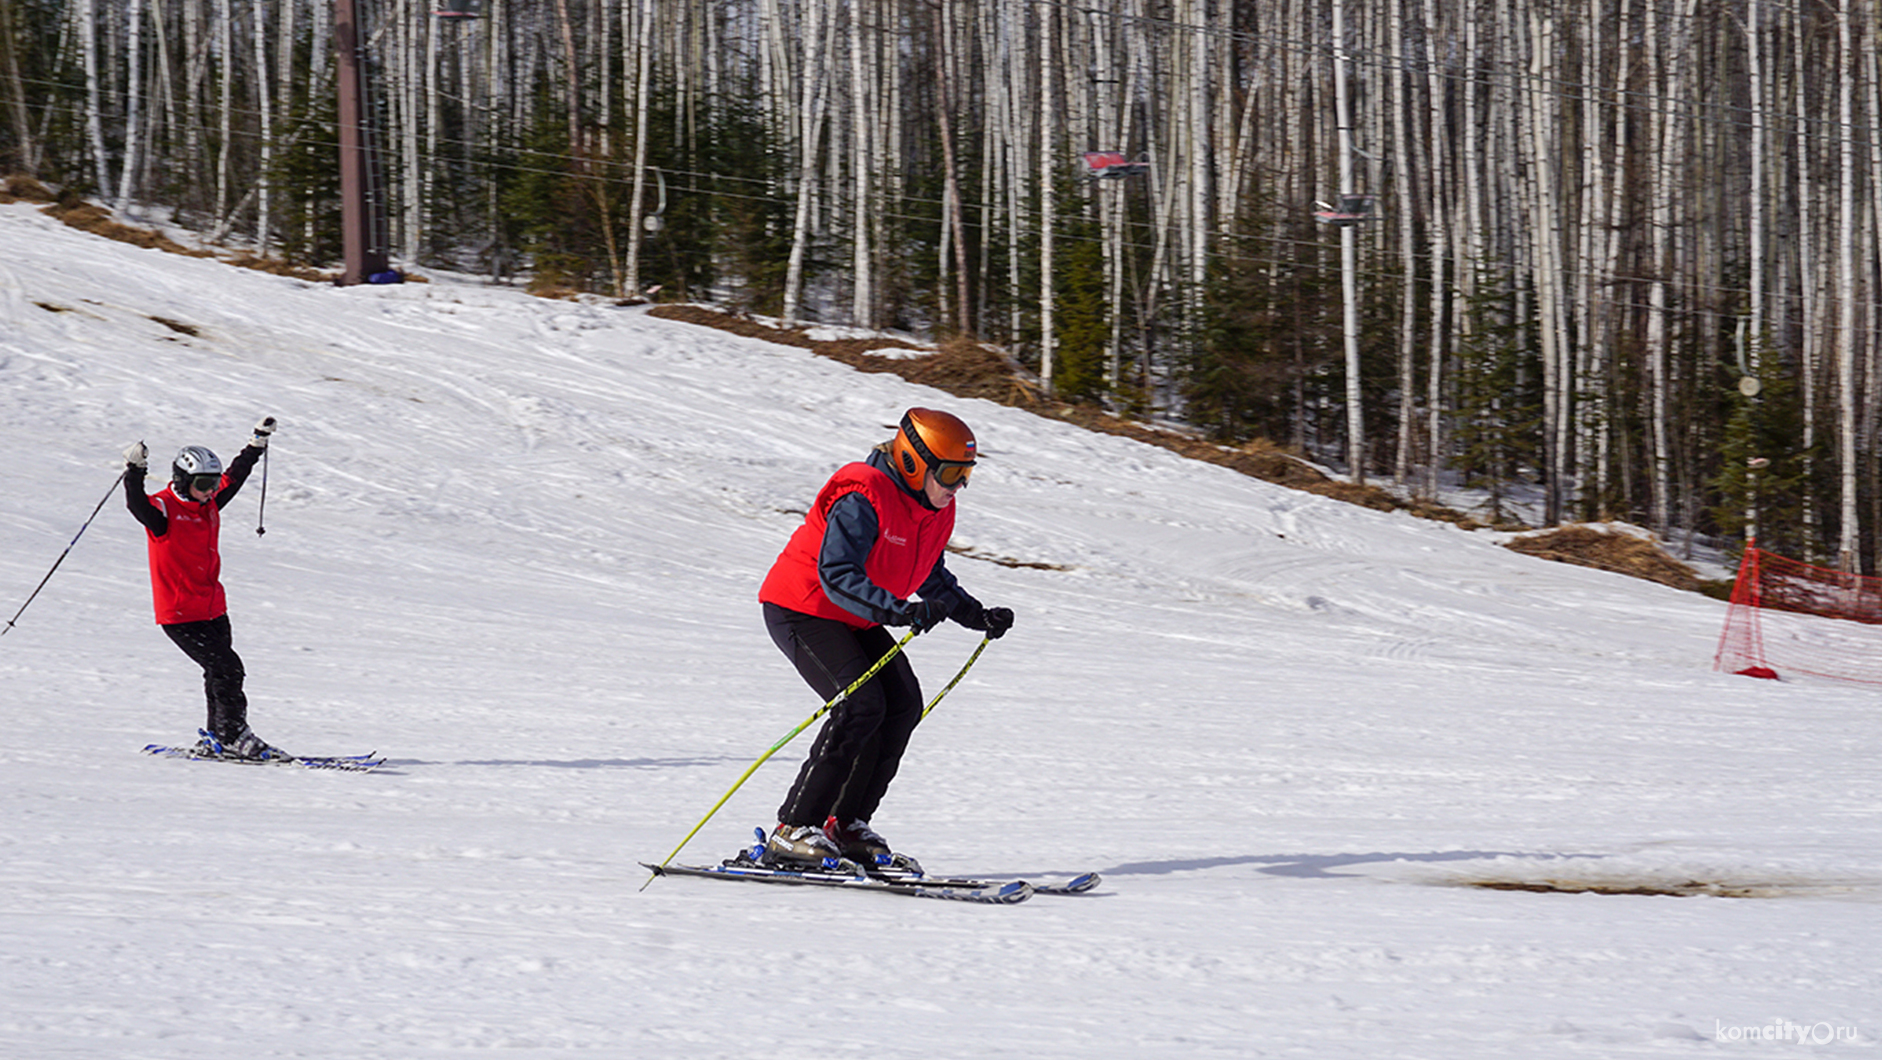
860,746
210,645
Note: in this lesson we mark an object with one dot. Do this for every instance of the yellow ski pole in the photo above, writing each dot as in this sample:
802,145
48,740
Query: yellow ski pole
786,738
984,641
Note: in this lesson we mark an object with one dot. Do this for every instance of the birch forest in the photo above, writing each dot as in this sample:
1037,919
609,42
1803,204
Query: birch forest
1620,256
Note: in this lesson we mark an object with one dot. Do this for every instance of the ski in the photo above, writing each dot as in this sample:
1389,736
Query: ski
900,868
344,763
1078,884
1009,893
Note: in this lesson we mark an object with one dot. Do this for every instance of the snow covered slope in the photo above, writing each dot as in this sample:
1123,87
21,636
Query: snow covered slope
515,544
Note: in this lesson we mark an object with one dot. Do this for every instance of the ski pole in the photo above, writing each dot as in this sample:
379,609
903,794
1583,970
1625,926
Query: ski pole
968,665
261,513
62,555
763,758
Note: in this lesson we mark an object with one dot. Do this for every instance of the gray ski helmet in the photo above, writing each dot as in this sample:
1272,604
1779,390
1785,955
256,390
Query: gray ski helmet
191,461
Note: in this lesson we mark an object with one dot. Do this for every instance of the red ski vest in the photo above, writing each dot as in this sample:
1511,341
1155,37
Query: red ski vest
910,538
185,566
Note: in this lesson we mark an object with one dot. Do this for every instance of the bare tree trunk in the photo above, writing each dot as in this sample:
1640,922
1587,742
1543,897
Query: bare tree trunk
196,63
643,99
1808,279
87,14
956,226
225,37
1605,324
1847,341
1755,220
133,103
1200,144
1543,121
1868,429
862,174
1404,150
1349,259
1049,18
1440,221
812,89
17,111
571,73
264,105
1669,138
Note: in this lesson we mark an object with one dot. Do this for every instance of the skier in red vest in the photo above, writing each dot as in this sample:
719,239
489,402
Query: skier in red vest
868,555
183,523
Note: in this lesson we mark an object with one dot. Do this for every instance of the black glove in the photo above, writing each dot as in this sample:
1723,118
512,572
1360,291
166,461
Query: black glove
993,621
923,615
262,431
999,620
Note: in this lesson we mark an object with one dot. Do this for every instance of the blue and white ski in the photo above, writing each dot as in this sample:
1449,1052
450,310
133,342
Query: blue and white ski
1009,893
344,763
902,875
1078,884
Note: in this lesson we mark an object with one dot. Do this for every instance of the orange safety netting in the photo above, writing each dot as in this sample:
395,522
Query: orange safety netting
1790,617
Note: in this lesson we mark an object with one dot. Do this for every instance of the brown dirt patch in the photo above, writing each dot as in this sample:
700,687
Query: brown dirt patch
1686,889
1586,546
970,369
97,220
18,187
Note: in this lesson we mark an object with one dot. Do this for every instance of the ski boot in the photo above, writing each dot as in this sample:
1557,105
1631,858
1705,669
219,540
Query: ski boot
803,846
865,846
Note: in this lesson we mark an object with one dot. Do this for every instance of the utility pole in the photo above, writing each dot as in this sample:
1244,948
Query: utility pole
361,208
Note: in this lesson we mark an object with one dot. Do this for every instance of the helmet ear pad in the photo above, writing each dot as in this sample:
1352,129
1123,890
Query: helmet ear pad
907,464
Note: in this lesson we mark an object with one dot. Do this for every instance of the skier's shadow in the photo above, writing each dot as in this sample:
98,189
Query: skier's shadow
1320,866
575,763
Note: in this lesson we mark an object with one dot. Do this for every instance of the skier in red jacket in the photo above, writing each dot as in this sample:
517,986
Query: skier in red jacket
868,555
183,523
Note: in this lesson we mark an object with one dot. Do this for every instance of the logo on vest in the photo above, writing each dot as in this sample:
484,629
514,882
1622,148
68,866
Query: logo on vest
897,541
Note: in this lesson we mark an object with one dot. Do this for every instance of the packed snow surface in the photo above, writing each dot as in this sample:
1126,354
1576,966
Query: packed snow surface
515,544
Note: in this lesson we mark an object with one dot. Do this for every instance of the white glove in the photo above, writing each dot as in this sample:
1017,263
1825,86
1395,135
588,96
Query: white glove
262,431
138,456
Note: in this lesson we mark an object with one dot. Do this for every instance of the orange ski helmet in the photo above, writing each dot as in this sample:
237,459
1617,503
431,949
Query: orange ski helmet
933,441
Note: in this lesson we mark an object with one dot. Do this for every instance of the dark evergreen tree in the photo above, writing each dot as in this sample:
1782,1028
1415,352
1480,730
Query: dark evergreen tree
1767,427
308,182
1497,423
1084,328
1264,338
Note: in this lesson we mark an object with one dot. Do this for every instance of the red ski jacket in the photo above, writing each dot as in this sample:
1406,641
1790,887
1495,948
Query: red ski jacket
905,555
183,536
185,564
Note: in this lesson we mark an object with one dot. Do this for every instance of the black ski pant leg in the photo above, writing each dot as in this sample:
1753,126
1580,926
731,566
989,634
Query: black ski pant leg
875,769
210,645
858,750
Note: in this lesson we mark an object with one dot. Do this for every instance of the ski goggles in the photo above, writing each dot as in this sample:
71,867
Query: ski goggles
951,475
205,483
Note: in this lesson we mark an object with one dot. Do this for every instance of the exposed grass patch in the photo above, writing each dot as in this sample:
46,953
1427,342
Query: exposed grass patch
1685,889
1586,546
1007,561
970,369
92,218
178,326
18,187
